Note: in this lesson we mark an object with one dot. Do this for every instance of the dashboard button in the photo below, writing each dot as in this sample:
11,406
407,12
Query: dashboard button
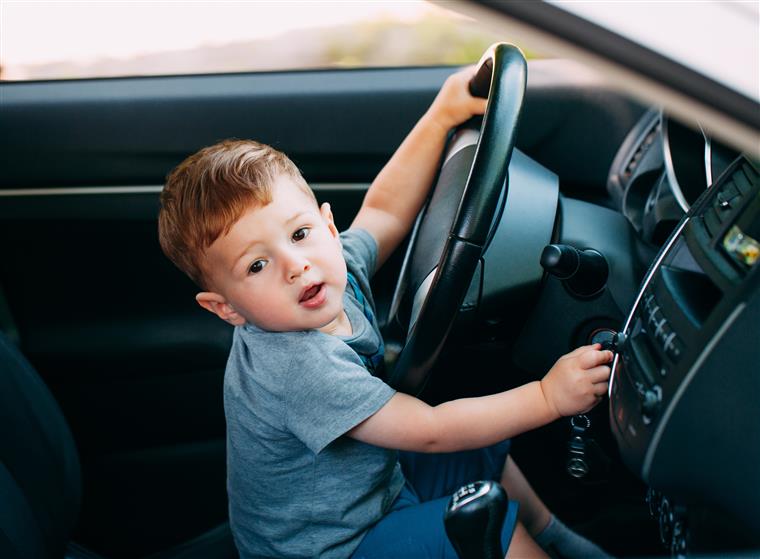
650,402
663,333
723,206
674,349
603,336
660,329
655,316
729,191
711,221
742,181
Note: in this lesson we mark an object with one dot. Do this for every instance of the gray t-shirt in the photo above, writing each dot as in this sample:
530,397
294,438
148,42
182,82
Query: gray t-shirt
297,486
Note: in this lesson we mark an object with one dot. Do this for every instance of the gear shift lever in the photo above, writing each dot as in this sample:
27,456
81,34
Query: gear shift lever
474,518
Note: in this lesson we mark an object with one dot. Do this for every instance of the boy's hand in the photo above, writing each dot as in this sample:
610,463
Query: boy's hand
453,105
577,381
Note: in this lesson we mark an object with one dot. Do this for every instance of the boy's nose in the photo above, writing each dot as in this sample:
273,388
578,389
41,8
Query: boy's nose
296,267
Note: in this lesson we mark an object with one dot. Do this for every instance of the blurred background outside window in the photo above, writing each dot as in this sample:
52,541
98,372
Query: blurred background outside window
71,40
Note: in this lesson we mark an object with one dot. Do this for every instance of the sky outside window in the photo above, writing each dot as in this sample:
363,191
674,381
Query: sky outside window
49,40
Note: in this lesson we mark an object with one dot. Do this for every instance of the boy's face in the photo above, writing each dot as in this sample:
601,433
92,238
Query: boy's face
280,267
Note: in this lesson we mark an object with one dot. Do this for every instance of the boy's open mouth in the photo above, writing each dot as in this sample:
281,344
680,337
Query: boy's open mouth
312,295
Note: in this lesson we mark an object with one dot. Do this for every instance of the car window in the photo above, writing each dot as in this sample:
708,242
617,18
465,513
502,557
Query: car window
65,40
699,44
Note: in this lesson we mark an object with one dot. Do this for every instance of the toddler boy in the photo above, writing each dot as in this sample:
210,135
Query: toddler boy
312,436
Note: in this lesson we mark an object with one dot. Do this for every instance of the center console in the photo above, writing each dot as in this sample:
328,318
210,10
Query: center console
685,384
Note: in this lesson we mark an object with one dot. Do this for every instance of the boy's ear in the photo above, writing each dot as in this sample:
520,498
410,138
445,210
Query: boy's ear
215,303
326,212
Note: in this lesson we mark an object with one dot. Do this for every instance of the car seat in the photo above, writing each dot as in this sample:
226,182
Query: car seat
40,478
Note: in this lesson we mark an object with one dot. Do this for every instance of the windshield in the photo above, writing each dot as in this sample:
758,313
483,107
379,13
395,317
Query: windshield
718,39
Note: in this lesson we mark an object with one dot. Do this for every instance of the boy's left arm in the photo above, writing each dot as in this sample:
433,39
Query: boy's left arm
397,194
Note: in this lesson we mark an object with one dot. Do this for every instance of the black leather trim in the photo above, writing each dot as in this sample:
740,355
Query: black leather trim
497,139
474,218
441,210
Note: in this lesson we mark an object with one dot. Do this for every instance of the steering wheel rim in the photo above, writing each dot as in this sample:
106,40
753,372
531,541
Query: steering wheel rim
501,77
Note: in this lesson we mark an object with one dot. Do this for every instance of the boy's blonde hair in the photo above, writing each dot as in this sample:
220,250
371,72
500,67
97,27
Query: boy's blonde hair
209,191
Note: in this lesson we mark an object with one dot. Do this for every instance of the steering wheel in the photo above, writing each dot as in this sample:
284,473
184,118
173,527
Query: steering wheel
438,269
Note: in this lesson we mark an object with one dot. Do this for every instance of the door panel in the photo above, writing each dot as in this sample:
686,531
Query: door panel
111,325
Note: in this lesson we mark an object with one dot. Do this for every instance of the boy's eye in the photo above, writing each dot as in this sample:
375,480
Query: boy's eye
257,266
301,234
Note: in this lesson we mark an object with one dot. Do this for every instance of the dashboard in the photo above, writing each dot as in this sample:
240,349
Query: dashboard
660,170
683,391
682,292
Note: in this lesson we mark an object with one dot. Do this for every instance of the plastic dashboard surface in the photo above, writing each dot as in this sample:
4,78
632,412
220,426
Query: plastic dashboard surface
683,394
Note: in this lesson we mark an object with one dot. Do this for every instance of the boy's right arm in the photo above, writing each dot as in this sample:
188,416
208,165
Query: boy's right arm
575,383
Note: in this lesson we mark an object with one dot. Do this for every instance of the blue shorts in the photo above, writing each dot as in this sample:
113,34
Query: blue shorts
414,527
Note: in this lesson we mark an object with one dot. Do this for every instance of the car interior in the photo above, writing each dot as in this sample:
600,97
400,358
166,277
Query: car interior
570,214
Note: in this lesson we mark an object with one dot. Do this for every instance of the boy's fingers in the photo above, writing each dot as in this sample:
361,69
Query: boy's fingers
599,374
593,358
478,106
468,72
578,350
606,356
586,349
600,389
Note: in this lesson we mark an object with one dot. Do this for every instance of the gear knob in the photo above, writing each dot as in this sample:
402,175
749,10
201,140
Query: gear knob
474,518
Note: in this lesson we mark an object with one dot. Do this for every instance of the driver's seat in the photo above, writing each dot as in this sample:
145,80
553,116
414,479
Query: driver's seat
40,480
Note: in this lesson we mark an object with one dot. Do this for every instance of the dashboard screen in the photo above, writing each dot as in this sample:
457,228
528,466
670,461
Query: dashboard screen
742,247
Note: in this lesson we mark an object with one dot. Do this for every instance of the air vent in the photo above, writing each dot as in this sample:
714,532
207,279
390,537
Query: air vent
641,150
